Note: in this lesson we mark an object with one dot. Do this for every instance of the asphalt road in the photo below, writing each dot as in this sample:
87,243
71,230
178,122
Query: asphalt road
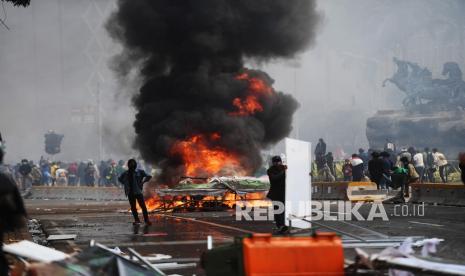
184,235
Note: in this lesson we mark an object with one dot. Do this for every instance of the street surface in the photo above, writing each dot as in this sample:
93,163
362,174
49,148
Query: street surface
184,235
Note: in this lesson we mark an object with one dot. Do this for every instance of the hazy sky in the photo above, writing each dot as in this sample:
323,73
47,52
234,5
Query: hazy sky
54,71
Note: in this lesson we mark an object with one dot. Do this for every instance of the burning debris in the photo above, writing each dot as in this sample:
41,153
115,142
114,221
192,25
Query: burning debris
200,156
200,111
218,194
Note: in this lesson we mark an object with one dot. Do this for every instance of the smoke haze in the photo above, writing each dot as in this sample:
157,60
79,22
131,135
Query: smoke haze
57,54
190,55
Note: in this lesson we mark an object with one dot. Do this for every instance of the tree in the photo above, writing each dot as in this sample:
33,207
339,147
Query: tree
23,3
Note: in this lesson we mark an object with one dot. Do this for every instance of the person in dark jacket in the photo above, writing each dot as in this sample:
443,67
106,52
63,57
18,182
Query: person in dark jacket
12,211
25,170
357,168
320,149
330,162
277,192
102,167
388,166
462,165
133,181
82,173
429,165
376,169
90,174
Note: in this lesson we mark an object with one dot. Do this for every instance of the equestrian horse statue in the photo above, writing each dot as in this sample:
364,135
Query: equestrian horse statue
421,89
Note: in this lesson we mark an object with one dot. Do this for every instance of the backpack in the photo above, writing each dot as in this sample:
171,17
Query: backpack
412,173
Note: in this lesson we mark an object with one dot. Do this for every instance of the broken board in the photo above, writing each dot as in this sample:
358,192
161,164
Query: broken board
365,192
61,237
34,251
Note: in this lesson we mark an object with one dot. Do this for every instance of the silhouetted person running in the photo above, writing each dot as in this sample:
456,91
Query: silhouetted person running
12,211
133,181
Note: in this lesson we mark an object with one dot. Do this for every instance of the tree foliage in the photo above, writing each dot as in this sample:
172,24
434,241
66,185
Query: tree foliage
23,3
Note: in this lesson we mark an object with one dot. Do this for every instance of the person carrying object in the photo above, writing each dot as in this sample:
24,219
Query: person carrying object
277,192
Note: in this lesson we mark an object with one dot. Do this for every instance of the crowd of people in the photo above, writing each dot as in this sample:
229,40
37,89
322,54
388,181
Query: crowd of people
13,212
27,173
379,165
376,165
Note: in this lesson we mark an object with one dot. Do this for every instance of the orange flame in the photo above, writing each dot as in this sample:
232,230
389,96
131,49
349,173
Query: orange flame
251,104
228,200
200,158
156,202
255,199
153,203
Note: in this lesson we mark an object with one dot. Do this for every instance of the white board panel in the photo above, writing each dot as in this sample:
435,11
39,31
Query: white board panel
35,252
298,182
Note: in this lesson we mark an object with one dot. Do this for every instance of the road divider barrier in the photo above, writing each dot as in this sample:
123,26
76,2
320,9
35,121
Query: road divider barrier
350,191
331,191
77,193
365,191
441,194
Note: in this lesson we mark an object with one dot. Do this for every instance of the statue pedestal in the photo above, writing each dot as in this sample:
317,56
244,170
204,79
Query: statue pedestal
444,130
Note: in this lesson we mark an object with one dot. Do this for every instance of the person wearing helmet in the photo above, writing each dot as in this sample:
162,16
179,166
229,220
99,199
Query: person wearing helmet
277,192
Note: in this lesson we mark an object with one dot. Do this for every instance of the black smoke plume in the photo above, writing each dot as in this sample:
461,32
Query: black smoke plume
189,54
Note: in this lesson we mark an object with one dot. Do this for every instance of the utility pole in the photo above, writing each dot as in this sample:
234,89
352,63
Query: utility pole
99,122
60,38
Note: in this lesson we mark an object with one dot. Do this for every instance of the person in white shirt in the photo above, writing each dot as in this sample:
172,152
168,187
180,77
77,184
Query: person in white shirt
61,177
357,168
441,162
419,164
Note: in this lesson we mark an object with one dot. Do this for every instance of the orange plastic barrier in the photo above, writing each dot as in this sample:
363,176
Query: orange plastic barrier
319,255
